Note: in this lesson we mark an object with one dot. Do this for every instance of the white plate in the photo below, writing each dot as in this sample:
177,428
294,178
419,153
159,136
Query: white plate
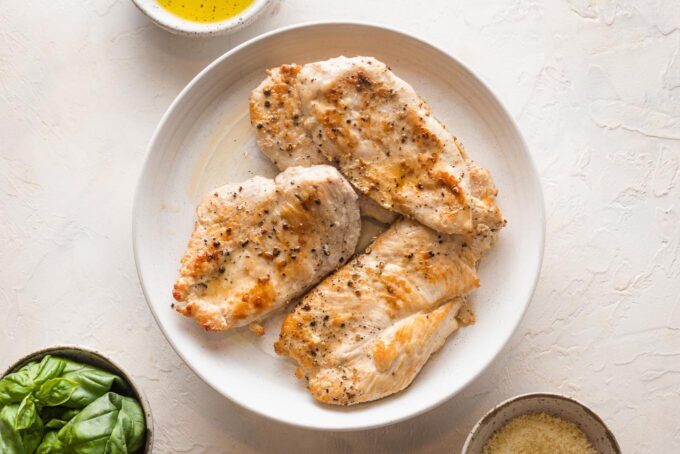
205,140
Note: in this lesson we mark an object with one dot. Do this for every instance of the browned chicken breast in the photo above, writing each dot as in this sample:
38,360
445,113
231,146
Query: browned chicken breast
386,141
276,114
261,243
367,330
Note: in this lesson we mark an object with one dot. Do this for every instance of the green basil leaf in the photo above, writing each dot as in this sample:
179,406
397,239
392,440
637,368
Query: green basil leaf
50,444
68,414
15,440
55,391
116,442
89,430
91,382
10,439
135,434
15,386
50,367
32,435
27,413
128,434
111,424
55,423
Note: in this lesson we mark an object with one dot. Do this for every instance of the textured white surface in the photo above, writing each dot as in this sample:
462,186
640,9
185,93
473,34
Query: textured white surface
595,86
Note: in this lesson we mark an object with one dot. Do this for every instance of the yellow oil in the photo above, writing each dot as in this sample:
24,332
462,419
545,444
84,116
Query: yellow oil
205,10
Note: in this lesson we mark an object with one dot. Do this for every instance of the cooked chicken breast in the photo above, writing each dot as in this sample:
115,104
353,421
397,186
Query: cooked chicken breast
259,244
276,114
389,362
385,140
366,331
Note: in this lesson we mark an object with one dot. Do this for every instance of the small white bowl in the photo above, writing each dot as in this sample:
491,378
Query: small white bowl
564,407
175,24
97,359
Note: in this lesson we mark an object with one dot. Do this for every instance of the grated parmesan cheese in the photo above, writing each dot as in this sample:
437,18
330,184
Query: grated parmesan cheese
539,433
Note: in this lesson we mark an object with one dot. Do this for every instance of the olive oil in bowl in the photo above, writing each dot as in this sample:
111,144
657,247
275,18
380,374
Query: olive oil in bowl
206,11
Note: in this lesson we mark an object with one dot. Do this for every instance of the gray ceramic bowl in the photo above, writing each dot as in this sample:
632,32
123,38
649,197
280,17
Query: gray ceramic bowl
97,359
554,404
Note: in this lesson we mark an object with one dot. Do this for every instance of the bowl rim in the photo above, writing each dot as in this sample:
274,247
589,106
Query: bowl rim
541,217
66,350
178,25
547,395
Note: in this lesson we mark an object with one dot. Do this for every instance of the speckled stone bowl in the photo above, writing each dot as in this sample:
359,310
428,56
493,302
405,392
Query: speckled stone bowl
175,24
97,359
553,404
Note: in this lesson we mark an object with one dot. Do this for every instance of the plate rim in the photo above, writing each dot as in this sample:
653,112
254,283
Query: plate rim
536,182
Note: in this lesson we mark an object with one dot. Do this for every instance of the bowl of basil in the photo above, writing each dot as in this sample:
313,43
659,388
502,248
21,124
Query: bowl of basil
70,399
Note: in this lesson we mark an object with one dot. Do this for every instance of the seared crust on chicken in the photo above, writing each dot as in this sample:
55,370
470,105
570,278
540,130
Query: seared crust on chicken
258,244
276,115
391,361
367,329
375,128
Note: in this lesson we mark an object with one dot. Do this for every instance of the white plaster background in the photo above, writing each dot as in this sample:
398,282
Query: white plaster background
595,86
